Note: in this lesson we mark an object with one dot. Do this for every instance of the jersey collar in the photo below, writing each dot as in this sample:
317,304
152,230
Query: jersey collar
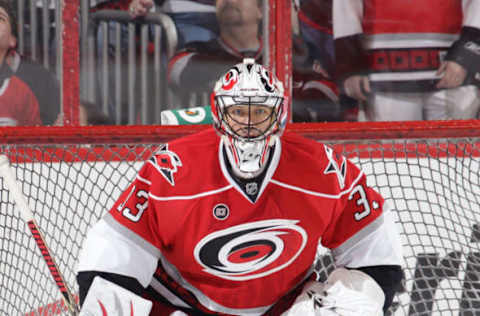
261,181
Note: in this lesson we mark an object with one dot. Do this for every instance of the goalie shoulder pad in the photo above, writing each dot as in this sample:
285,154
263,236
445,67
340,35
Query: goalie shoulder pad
345,293
106,298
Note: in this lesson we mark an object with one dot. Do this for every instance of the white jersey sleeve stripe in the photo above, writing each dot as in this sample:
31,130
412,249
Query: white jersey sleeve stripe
325,195
144,180
190,197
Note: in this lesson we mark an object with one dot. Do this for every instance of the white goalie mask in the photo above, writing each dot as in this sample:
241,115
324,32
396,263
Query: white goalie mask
249,111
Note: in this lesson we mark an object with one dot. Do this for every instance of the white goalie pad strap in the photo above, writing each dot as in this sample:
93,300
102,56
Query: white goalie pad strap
108,299
346,293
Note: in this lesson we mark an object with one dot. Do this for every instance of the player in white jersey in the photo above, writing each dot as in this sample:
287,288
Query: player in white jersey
228,221
409,60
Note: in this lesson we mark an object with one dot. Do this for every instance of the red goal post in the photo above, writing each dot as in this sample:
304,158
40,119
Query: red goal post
429,171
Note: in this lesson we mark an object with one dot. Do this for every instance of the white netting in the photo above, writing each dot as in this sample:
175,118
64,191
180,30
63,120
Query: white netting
433,186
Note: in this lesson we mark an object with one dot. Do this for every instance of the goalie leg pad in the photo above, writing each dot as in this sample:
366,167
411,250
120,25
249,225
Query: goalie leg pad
107,298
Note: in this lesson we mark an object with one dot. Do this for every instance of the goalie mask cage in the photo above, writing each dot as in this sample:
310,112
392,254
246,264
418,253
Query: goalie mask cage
429,171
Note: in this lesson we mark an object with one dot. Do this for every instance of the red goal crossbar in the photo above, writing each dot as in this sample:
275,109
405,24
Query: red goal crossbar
320,131
344,137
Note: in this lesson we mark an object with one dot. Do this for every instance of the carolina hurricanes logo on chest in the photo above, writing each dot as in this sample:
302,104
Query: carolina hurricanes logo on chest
252,250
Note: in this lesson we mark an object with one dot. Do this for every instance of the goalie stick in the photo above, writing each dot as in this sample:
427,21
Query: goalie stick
25,212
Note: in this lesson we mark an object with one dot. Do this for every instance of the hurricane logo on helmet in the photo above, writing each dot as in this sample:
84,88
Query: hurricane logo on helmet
230,78
267,80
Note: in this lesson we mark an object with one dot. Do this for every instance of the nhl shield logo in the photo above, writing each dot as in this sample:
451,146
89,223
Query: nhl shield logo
251,188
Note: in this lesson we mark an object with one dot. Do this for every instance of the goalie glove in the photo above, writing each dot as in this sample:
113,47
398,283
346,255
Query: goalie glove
108,299
346,293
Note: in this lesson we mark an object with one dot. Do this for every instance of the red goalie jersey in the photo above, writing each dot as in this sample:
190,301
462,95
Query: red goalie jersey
201,239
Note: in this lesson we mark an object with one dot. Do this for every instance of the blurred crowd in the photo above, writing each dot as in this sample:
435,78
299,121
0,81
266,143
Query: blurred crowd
352,60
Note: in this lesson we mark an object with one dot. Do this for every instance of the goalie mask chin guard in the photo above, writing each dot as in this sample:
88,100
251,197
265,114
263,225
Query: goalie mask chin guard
250,112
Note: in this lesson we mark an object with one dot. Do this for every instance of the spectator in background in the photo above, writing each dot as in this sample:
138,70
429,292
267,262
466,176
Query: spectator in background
315,28
409,62
312,23
18,104
196,67
194,19
41,81
89,114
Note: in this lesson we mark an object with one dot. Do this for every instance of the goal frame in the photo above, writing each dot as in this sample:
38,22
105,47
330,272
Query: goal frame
320,131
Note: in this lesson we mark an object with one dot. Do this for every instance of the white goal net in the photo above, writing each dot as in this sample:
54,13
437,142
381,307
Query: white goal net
71,182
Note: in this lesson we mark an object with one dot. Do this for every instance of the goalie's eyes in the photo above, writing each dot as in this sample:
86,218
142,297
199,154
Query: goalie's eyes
238,112
244,112
259,111
256,113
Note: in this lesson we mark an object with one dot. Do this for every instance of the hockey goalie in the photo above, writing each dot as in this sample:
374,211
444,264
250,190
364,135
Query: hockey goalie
228,221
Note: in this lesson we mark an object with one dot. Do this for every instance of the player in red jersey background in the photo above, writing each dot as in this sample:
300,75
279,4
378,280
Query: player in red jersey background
18,103
228,221
409,60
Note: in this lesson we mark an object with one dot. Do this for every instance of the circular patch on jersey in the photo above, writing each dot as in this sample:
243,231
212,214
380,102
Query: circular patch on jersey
252,250
221,211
